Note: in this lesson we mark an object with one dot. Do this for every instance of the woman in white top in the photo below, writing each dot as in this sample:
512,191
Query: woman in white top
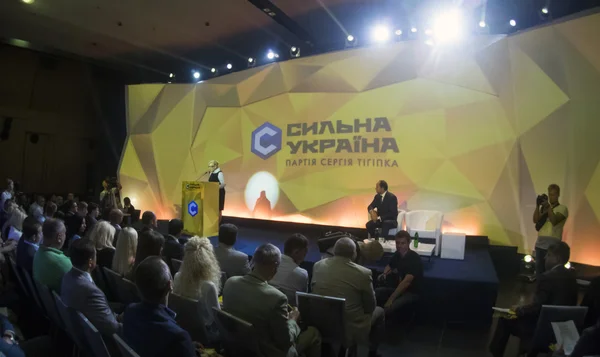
199,278
15,222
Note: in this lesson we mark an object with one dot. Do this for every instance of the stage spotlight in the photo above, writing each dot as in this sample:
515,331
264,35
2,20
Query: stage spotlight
512,23
276,55
413,29
448,26
251,62
398,32
229,66
270,55
528,258
196,75
350,38
568,265
380,33
295,51
28,1
351,41
482,24
428,32
429,42
213,70
171,75
545,11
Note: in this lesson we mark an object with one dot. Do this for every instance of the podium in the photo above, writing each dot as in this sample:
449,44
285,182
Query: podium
200,208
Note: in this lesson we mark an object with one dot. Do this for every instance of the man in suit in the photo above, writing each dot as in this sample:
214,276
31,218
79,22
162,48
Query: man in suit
557,286
172,248
251,298
79,291
149,327
340,277
383,210
232,262
29,243
148,221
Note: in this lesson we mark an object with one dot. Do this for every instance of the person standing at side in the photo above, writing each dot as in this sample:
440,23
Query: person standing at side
216,175
549,218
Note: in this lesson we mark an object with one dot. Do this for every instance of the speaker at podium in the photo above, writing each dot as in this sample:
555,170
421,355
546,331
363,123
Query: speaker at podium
200,208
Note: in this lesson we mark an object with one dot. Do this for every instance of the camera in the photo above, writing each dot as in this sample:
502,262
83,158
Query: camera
541,199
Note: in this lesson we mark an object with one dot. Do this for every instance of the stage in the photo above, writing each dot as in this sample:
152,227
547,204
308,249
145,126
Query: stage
455,291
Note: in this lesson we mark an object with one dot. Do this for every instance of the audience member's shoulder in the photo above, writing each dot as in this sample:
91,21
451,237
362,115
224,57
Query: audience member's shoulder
362,269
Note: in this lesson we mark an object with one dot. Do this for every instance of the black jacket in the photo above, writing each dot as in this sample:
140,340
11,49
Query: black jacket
555,287
388,209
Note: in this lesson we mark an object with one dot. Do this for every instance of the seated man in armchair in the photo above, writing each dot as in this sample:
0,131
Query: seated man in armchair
383,211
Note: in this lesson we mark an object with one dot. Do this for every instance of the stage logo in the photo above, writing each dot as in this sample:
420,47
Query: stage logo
266,140
193,208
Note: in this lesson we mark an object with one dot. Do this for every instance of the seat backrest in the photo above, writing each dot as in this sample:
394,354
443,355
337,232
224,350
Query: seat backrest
22,286
68,315
176,264
327,314
544,335
93,338
49,305
124,289
237,333
401,215
126,351
28,280
189,317
424,220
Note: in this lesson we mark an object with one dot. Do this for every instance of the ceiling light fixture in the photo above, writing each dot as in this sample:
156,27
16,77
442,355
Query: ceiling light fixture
229,66
196,74
512,23
482,24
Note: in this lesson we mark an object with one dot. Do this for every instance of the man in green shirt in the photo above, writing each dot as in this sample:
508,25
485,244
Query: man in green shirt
50,264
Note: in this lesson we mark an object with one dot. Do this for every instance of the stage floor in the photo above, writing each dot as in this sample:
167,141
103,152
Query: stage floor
453,290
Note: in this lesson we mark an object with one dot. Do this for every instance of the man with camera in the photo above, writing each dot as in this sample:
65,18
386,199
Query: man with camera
549,218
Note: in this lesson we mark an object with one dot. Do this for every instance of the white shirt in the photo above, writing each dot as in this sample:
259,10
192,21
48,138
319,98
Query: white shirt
550,234
290,277
5,196
14,234
220,176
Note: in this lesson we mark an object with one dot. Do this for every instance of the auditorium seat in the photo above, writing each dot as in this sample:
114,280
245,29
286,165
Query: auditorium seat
189,317
428,224
543,335
126,351
238,336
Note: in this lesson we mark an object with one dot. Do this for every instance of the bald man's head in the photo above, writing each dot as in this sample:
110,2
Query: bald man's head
345,247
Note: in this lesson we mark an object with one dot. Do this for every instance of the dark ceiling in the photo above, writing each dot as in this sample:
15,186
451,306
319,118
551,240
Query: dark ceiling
158,37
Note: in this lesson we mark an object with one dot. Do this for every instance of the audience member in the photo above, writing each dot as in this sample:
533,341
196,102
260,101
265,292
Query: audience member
128,207
8,345
251,298
75,228
148,221
92,217
68,205
29,243
102,237
8,207
82,208
79,291
59,202
173,249
199,278
340,277
556,286
232,262
591,300
150,243
50,264
149,327
15,224
7,194
116,218
401,277
125,251
290,277
587,345
70,209
50,211
37,208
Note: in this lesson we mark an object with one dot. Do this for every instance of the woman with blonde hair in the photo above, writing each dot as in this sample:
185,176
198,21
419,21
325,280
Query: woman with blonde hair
199,277
102,235
125,251
15,224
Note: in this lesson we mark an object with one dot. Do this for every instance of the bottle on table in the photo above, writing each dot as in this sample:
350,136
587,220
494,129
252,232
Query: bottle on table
416,240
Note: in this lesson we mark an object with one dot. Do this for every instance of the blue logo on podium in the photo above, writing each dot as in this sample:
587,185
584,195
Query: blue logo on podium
193,208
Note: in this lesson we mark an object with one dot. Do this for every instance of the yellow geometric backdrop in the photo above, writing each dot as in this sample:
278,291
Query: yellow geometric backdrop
475,130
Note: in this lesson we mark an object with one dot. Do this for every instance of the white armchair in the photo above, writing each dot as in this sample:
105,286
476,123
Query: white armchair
427,223
401,214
